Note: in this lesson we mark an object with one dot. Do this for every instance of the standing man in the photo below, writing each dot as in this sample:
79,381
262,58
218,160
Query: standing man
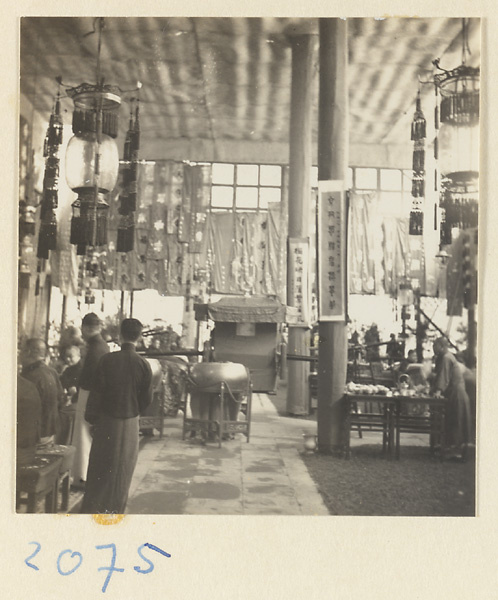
82,440
121,392
48,385
29,411
449,383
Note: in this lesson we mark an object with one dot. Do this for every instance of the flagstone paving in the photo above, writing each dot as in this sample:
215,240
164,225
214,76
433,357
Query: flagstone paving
263,477
266,476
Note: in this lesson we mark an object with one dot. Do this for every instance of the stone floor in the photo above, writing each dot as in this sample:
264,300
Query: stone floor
263,477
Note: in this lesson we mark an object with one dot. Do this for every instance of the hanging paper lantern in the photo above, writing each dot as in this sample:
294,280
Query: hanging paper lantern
81,157
458,142
92,161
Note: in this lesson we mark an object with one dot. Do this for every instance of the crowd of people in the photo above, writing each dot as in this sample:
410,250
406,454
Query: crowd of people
94,404
445,374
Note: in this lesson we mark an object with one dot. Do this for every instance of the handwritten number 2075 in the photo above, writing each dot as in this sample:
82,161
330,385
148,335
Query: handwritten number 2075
68,561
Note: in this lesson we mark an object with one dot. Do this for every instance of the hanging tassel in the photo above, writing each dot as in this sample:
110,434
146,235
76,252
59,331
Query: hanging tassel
127,144
101,236
135,139
418,159
418,134
55,126
418,123
77,235
445,230
47,237
416,222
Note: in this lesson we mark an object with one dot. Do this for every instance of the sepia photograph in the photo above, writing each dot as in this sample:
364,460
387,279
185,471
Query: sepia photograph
248,266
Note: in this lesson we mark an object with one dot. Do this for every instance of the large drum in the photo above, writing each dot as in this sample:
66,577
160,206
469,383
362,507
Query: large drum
157,373
207,377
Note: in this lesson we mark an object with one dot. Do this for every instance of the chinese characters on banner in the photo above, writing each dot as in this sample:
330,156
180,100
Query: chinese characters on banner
298,281
331,251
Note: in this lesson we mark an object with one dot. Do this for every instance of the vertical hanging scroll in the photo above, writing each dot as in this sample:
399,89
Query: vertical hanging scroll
331,253
298,281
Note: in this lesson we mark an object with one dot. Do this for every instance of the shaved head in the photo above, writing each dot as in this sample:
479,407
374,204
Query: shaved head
35,349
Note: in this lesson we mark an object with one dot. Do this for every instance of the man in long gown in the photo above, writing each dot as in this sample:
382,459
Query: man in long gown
449,383
82,440
48,385
121,392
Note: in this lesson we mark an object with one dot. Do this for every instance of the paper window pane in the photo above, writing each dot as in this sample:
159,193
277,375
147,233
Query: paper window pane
222,173
270,175
247,174
268,195
246,197
407,181
221,196
390,179
314,177
366,179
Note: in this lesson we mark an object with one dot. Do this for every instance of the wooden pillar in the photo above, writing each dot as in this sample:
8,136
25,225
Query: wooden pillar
332,165
299,203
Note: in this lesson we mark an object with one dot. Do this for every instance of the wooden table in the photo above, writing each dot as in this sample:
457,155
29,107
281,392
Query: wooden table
393,417
381,420
431,422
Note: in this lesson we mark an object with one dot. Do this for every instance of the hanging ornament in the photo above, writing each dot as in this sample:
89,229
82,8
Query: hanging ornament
92,157
418,134
47,236
128,197
458,140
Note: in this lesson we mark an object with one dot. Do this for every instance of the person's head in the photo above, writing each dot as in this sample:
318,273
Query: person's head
90,326
35,349
130,330
72,355
440,346
412,356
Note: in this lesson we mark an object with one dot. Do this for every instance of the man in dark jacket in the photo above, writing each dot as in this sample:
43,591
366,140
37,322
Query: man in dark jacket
121,392
29,411
82,440
48,385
